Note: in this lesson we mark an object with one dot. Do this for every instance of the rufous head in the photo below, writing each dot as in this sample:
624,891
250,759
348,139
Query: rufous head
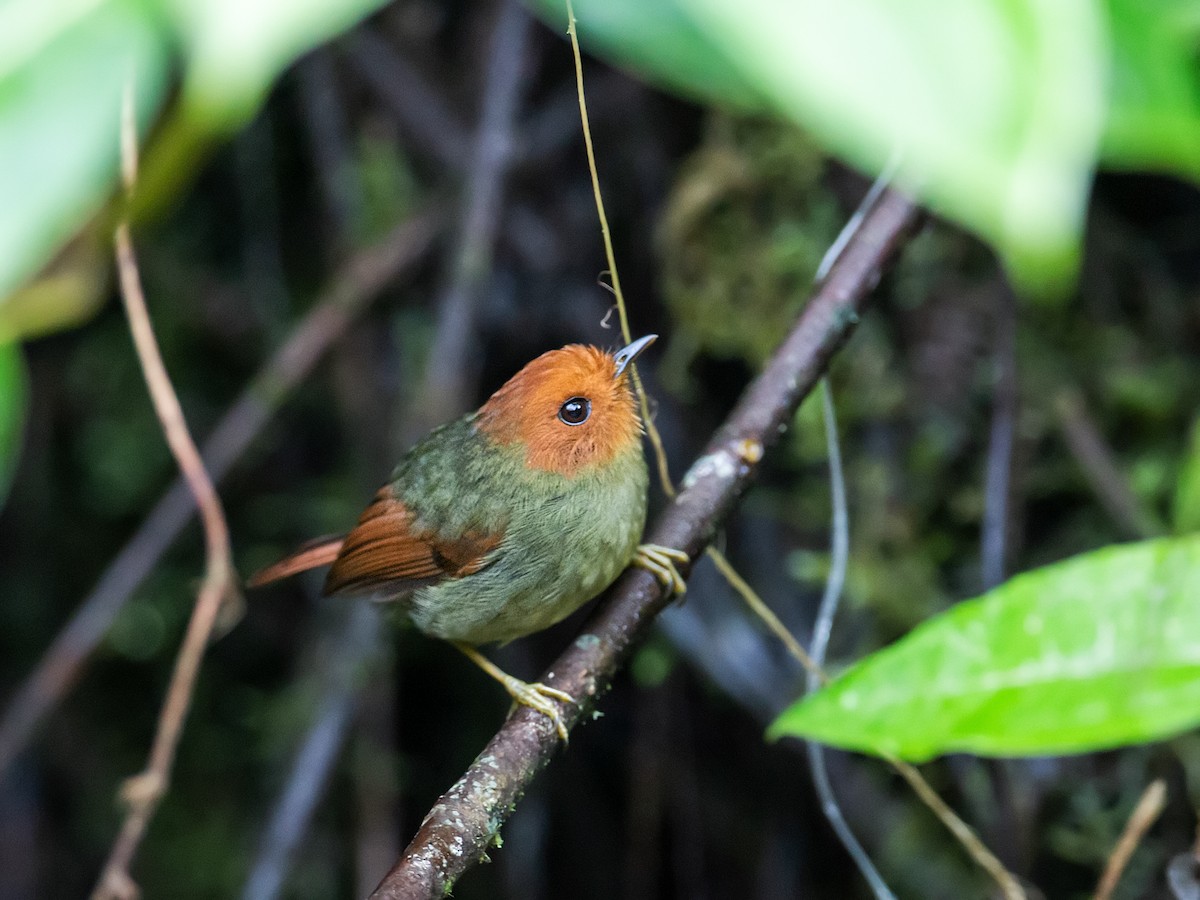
571,408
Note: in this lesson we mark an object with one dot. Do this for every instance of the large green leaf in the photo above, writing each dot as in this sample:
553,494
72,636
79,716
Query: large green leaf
1153,121
658,39
1001,109
1093,652
995,106
63,67
13,400
236,49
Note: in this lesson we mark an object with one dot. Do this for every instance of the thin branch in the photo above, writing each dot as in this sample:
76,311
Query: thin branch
660,454
1099,465
822,629
759,607
983,857
143,792
350,291
1149,807
420,111
994,550
452,365
465,821
341,678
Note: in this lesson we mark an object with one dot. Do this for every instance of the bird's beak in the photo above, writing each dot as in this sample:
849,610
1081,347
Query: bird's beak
627,355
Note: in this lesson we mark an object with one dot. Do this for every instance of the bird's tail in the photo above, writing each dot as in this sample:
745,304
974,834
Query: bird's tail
318,552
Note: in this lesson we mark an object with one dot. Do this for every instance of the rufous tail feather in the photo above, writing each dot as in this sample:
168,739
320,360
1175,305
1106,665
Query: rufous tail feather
319,552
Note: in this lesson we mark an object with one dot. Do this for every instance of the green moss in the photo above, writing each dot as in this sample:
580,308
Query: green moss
742,234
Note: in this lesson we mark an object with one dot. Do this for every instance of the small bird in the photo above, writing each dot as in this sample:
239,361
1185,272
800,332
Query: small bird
509,519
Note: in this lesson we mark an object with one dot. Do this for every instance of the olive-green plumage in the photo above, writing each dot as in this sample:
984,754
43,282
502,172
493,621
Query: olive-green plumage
511,518
565,537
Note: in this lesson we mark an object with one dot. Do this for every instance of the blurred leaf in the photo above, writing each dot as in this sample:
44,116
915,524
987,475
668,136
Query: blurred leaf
68,292
1153,120
1000,108
1187,492
996,106
236,49
13,401
63,67
1089,653
659,40
62,70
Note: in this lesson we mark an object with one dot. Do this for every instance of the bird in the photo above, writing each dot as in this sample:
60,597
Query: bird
504,522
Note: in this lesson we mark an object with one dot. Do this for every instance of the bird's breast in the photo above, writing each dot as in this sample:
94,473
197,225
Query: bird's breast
567,539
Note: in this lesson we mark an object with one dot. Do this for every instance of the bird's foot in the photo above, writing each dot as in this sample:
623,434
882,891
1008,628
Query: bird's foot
539,696
535,695
660,562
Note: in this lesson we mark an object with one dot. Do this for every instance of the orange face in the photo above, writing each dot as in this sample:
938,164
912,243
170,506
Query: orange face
571,408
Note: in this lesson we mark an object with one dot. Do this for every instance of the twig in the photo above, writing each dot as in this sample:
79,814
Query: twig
451,367
465,820
349,292
143,792
341,680
1149,807
660,454
324,118
421,113
822,629
1095,457
983,857
997,492
759,607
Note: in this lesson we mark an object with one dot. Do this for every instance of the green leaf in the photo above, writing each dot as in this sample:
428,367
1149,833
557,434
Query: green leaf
1093,652
1154,115
660,41
62,71
67,292
1001,109
236,49
995,106
63,68
13,402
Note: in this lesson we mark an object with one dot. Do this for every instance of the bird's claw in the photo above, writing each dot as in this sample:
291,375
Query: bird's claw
535,695
538,696
660,562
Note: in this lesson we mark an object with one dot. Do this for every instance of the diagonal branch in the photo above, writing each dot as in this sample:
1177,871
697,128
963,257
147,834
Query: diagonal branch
465,821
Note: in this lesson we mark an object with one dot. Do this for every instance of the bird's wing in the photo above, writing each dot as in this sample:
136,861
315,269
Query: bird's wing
385,553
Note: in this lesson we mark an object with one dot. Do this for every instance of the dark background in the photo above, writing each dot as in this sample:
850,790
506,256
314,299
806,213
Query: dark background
719,221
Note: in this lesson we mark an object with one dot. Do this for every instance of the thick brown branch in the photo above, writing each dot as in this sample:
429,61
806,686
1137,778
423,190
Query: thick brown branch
466,819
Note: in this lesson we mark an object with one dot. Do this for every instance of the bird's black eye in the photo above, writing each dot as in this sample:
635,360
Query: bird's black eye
575,411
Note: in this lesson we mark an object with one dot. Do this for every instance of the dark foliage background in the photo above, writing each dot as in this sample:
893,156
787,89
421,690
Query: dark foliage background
719,222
